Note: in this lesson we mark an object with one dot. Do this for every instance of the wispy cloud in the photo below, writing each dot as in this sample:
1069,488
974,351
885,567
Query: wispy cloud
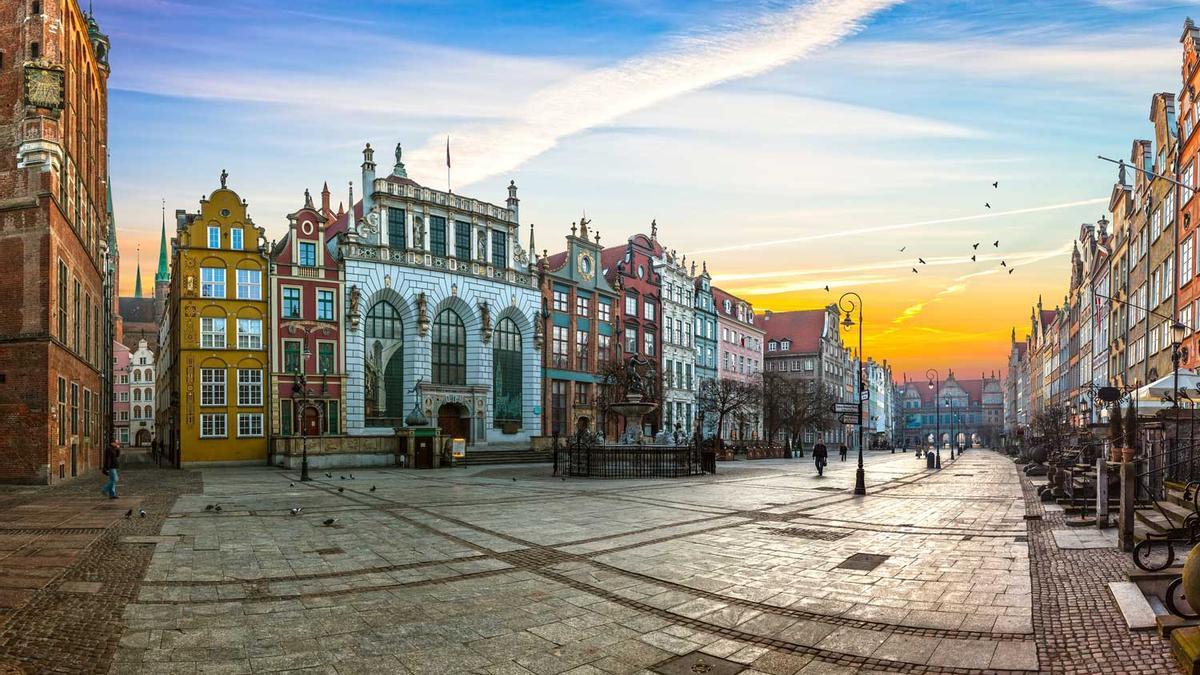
689,63
814,285
857,231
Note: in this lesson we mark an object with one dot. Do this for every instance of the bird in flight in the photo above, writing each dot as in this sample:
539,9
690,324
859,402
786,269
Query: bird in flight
915,271
826,288
902,248
922,261
1011,270
972,258
975,246
996,184
1003,264
996,243
987,205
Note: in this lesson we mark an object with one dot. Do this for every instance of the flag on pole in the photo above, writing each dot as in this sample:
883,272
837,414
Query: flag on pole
447,152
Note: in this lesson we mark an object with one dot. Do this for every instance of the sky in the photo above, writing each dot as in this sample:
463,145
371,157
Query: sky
790,144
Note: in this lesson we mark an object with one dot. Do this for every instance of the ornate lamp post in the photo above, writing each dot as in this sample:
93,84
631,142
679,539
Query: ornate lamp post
848,303
935,383
1178,353
300,402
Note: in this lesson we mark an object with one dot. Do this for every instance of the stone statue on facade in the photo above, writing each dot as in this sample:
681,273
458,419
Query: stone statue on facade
539,331
485,321
422,315
352,313
481,247
418,241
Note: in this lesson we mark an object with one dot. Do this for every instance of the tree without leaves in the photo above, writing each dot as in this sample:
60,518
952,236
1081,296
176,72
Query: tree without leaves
796,406
724,398
1051,426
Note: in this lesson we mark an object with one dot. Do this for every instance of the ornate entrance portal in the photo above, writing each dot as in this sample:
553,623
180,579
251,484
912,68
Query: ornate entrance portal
454,420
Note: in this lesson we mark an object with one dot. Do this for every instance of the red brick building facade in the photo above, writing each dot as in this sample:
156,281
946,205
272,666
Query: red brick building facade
53,241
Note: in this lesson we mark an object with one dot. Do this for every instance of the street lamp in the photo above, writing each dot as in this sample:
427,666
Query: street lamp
848,303
935,383
301,387
1178,353
953,437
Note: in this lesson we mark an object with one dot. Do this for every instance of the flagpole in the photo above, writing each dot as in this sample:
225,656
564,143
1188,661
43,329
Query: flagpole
448,164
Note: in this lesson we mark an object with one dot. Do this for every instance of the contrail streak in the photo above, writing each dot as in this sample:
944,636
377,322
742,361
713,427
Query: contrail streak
900,226
687,64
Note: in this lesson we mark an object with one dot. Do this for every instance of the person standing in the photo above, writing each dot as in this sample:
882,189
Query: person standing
821,457
842,450
112,456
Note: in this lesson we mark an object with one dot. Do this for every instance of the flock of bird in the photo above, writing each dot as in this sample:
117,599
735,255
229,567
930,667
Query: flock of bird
974,246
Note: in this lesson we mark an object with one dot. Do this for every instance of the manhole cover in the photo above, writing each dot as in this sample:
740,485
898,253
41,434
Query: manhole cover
696,663
863,561
805,533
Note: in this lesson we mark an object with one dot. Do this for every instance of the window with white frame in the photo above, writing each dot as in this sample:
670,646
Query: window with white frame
212,282
250,424
1186,270
212,386
212,425
250,387
559,300
249,333
324,305
649,310
604,311
1168,280
212,332
249,284
631,306
214,236
235,239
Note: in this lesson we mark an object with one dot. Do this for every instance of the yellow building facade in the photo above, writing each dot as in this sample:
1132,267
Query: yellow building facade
216,342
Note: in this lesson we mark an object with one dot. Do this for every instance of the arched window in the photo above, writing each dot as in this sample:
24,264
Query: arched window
383,321
137,394
137,411
137,376
385,366
449,349
506,374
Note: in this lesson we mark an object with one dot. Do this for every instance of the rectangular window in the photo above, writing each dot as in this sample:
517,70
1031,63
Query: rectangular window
74,408
291,356
631,306
87,413
250,425
212,386
558,347
603,351
308,254
583,393
62,411
249,333
462,240
324,305
649,310
62,301
212,282
630,341
648,343
285,417
212,426
332,423
214,236
325,358
558,407
559,300
437,235
604,311
235,239
499,249
395,228
583,306
1186,270
75,316
1168,280
582,360
249,285
87,329
212,333
250,387
291,303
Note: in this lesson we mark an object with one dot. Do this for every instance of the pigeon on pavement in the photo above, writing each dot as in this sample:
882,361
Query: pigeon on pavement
296,510
217,508
129,513
209,507
372,488
330,521
142,513
341,489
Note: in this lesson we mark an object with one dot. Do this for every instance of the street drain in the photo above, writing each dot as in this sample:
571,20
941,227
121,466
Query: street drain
863,561
806,533
696,663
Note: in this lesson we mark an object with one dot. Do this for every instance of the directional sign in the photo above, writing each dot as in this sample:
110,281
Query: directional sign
848,419
865,394
845,408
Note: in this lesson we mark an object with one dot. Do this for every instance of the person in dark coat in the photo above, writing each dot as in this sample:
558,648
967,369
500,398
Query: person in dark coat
112,457
842,449
820,457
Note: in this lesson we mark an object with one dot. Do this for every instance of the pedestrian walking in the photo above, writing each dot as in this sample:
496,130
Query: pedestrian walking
820,457
112,457
842,449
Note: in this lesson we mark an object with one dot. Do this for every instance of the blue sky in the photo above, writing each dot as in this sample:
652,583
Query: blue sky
792,129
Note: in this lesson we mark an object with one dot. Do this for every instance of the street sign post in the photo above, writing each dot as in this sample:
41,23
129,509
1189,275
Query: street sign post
845,408
848,419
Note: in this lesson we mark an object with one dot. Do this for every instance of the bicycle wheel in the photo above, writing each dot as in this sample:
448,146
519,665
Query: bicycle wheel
1152,555
1177,602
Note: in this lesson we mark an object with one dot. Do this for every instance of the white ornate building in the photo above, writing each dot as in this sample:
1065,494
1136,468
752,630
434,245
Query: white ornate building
678,355
141,393
438,293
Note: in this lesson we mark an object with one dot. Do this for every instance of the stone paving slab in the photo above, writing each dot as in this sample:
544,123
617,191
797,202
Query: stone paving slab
1085,538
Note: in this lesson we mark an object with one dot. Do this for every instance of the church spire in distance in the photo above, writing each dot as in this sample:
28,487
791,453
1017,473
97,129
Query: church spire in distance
163,275
137,282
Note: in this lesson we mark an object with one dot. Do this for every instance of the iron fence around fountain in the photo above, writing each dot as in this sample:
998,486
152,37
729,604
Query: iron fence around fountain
582,459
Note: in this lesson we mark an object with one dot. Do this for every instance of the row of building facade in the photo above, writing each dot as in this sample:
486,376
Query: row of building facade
1131,278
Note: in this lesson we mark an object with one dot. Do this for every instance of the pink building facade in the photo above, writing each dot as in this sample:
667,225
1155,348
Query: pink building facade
739,357
121,408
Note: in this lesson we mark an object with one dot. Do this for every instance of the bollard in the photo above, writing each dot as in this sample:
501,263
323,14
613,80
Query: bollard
1101,493
1125,516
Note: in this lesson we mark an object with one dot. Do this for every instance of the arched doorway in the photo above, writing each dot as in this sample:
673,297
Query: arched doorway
961,439
454,420
142,438
310,422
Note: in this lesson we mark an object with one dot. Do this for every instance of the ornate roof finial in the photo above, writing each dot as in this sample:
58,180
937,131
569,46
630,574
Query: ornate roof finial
597,237
398,170
224,177
532,245
308,203
573,228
